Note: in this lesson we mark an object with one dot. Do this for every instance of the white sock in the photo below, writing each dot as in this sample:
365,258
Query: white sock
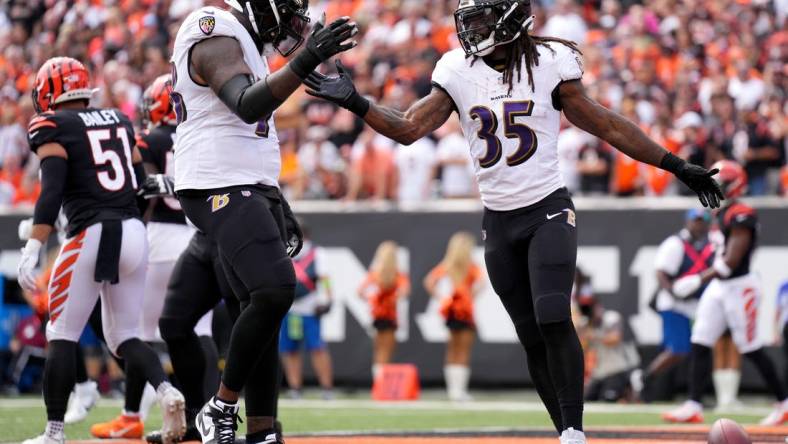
454,375
376,369
718,376
54,429
124,412
464,377
734,379
82,387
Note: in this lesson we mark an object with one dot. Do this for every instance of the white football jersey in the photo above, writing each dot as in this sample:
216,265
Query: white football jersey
215,147
512,136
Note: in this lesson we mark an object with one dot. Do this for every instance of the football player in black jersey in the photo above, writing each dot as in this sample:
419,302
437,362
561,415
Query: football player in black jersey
729,302
91,166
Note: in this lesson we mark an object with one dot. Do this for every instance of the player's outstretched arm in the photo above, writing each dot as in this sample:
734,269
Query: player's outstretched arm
422,118
625,136
219,63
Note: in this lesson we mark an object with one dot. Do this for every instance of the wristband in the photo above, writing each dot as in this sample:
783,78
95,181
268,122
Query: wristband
722,269
671,162
358,105
304,63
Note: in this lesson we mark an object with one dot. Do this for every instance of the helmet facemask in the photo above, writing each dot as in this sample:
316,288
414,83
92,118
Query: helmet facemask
483,25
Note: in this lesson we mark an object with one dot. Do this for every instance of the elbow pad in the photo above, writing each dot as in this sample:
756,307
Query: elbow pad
53,181
250,101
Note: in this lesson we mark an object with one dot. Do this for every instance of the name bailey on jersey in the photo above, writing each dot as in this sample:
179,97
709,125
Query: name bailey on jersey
99,117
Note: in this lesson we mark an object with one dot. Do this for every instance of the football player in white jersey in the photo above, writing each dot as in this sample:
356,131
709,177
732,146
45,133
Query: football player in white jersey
227,166
509,88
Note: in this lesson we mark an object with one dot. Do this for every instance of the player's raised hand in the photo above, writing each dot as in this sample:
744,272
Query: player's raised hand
339,89
323,43
698,179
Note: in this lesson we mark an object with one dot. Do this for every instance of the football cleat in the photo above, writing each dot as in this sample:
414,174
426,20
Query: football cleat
191,435
572,436
45,439
273,438
690,412
82,399
778,416
173,414
217,422
124,426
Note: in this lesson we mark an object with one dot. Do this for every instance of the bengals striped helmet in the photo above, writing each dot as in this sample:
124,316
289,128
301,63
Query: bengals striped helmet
157,108
61,79
732,178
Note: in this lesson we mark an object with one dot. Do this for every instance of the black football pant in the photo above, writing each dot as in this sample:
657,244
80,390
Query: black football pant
247,224
530,254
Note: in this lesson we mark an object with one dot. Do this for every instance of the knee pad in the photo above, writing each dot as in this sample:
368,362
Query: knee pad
552,308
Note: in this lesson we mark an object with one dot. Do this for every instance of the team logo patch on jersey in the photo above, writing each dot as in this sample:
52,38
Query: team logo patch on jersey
207,24
218,201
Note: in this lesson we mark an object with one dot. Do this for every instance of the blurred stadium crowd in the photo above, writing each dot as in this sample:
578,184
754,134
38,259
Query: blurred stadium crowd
706,78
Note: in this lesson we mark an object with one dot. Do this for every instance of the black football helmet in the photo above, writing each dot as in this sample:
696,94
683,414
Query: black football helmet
282,23
484,24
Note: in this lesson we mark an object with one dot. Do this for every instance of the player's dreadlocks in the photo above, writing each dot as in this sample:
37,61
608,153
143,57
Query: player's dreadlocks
527,46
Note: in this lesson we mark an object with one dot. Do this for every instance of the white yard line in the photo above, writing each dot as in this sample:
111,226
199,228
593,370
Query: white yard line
482,406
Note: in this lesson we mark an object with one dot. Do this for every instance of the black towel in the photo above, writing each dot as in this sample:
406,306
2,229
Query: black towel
108,257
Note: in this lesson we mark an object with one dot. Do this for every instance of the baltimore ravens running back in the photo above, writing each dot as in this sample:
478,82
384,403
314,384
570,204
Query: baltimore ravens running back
509,88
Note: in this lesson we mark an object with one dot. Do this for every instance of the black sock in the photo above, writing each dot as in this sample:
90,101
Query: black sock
257,325
211,360
768,372
566,365
135,387
540,375
81,370
261,390
144,359
700,370
59,377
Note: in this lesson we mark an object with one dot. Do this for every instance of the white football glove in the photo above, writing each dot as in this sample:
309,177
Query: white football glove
27,265
25,229
686,286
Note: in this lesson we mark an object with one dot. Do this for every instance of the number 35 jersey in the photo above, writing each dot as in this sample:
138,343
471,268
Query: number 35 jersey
512,135
215,147
100,183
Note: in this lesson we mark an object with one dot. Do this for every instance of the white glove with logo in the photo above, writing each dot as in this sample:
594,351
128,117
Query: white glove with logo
684,287
27,265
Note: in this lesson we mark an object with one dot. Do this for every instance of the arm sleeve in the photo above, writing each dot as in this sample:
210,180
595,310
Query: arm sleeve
251,101
54,171
669,256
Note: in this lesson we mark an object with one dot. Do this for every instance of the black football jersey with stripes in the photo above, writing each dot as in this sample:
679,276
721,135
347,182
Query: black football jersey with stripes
156,147
100,184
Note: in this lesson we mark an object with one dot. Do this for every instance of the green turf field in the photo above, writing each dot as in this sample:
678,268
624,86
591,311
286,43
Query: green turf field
24,418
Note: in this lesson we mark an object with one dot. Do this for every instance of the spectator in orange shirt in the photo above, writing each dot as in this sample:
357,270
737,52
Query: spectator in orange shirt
384,285
456,281
372,170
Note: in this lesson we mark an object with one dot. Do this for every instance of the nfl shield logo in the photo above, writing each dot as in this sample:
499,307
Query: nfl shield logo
207,24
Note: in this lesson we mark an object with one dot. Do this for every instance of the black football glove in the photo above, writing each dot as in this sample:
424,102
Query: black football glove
324,43
339,90
295,238
697,178
157,185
